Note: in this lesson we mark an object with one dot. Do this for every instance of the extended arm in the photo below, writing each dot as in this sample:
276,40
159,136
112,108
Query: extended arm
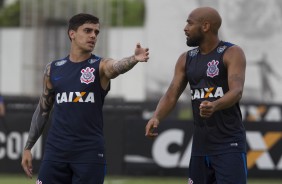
111,68
170,98
235,62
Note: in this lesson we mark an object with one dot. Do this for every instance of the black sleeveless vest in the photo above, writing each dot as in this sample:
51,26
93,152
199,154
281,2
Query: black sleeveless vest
223,132
76,133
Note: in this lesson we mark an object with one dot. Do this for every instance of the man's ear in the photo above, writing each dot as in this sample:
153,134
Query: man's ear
71,34
206,26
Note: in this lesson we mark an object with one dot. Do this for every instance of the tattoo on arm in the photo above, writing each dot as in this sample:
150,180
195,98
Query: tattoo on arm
124,65
41,114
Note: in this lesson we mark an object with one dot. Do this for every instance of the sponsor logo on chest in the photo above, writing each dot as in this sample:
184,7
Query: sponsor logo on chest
207,93
75,97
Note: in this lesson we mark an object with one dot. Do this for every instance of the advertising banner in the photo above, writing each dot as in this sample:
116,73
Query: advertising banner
14,132
169,153
129,152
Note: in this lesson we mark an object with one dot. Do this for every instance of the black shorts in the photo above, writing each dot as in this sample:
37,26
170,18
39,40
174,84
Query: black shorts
71,173
229,168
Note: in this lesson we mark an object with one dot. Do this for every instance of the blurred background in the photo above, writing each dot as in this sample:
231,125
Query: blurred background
34,33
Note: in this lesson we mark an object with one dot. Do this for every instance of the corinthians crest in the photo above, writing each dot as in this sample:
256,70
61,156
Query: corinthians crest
87,75
212,68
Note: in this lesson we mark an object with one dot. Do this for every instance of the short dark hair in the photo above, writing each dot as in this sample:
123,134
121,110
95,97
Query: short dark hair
80,19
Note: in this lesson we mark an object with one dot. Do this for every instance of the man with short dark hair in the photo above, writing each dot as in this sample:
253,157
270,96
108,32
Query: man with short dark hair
75,88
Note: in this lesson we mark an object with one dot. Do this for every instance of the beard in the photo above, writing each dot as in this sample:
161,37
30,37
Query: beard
195,40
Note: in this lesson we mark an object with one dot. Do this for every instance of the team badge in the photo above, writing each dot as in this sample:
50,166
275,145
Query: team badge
212,70
87,75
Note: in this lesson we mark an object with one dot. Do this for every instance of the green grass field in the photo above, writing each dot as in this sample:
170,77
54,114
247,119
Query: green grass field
20,179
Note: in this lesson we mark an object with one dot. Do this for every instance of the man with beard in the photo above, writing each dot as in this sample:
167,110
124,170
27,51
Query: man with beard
215,71
75,88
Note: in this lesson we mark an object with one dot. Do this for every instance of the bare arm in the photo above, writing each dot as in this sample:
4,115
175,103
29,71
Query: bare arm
235,62
170,98
41,114
38,122
111,68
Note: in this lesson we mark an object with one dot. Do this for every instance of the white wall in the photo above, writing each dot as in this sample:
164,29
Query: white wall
165,22
18,75
122,43
10,60
163,33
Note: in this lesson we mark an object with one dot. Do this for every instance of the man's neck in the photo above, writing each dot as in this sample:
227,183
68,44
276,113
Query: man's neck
209,46
77,57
